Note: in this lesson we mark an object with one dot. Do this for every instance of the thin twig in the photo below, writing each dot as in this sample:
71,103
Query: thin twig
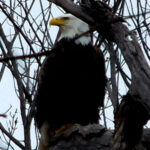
6,59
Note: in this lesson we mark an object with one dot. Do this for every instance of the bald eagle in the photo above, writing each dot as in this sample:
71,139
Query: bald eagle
71,85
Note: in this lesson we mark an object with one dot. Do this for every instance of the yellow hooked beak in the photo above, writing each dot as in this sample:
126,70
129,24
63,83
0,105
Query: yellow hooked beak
59,21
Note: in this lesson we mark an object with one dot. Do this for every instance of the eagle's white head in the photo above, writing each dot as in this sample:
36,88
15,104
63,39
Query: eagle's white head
72,26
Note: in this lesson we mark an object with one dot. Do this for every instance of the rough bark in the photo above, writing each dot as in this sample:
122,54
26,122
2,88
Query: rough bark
91,137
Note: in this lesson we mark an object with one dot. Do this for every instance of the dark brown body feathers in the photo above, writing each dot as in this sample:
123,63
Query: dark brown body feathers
71,85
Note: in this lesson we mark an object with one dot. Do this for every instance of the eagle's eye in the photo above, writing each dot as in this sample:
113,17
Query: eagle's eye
65,18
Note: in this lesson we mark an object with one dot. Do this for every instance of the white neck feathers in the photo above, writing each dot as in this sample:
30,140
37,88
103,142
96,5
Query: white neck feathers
73,28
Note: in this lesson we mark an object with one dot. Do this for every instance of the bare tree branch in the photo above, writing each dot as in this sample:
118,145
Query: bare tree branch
11,137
